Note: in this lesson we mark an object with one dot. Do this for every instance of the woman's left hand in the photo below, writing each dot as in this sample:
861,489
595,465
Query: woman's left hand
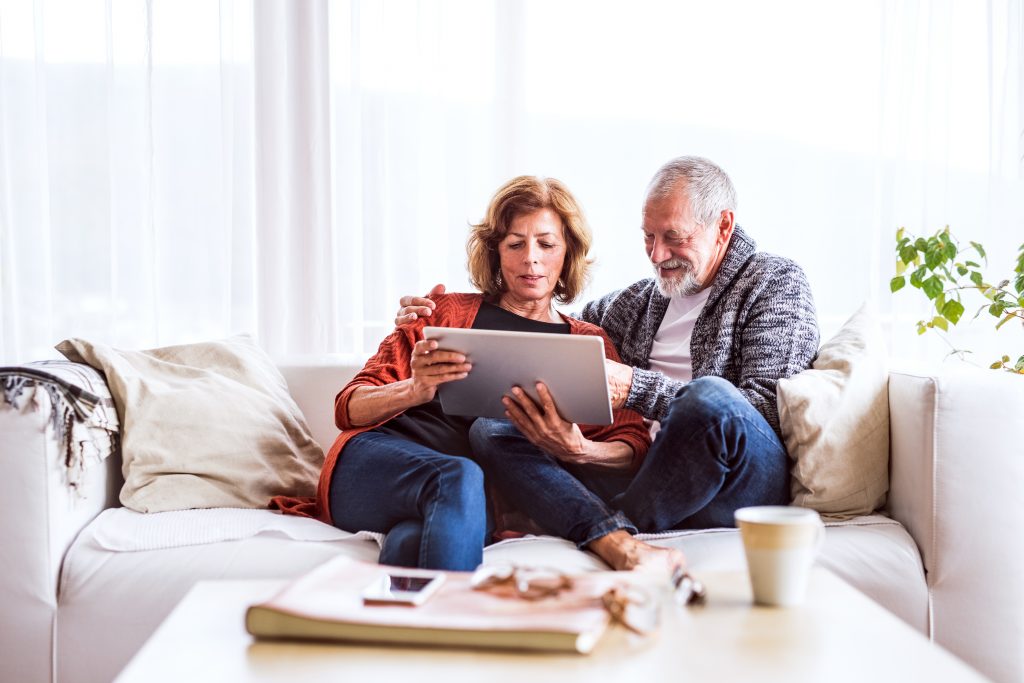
544,427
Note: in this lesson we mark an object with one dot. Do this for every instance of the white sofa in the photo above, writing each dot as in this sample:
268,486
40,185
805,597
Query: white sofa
85,582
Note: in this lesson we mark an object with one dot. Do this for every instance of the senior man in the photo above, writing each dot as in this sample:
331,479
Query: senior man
704,344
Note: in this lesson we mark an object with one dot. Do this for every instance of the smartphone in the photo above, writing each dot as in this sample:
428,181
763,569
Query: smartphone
406,587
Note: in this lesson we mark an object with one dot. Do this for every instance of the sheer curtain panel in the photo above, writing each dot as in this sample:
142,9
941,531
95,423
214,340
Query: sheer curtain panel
174,170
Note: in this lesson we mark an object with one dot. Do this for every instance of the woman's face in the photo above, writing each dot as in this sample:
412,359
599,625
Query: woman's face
532,254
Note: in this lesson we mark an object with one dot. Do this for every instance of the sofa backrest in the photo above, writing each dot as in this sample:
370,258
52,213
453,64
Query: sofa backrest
313,385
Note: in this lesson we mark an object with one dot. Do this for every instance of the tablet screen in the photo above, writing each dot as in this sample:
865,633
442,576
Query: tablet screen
572,367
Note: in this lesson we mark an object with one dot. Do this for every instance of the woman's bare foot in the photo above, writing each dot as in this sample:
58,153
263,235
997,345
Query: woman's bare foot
620,550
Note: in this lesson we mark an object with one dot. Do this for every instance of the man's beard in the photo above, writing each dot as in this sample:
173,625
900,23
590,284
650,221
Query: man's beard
685,283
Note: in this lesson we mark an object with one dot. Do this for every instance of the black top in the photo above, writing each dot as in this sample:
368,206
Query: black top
427,424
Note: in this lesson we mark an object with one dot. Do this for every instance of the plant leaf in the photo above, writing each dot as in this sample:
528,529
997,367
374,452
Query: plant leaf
934,257
907,254
980,249
940,301
976,278
917,277
932,286
901,267
972,263
1019,365
1008,318
995,366
940,322
1018,284
961,269
952,311
897,283
950,250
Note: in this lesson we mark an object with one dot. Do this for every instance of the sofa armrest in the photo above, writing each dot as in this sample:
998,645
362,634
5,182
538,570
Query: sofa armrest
957,484
47,505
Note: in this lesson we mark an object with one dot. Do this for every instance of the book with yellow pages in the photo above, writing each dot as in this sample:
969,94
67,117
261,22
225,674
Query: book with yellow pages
327,604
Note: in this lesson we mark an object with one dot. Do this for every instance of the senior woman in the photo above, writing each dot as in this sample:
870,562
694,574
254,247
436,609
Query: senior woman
401,466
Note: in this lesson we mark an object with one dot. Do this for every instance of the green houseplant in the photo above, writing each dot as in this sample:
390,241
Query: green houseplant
944,273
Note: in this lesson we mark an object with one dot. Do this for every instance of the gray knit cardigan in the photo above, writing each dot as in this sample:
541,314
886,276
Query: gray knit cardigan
757,327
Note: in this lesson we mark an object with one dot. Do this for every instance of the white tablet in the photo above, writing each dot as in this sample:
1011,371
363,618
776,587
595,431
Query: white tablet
571,365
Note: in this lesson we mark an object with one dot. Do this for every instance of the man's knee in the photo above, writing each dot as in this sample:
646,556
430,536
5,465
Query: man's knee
708,405
710,398
485,435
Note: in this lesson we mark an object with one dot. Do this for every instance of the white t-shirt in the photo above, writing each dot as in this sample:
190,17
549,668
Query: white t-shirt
670,353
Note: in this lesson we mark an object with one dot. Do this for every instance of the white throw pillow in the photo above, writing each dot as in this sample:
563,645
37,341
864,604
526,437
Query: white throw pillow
204,425
835,422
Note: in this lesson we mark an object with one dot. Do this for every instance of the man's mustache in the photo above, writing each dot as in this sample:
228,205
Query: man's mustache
675,263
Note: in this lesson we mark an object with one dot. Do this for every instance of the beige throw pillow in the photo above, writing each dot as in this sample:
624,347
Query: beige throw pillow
204,425
835,422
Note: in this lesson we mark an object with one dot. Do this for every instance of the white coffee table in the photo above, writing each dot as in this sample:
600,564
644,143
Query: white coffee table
838,635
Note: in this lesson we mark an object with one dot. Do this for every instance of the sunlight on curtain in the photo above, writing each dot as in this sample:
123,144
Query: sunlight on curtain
125,172
172,171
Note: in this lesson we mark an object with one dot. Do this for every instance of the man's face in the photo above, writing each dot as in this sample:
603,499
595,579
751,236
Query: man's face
684,253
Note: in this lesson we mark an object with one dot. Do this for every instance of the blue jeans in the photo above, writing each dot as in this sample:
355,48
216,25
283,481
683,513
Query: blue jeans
715,453
430,505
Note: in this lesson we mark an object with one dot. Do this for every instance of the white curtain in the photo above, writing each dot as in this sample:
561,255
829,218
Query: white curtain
177,170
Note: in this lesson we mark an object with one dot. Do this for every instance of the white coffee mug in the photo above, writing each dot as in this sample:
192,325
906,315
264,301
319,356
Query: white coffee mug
781,543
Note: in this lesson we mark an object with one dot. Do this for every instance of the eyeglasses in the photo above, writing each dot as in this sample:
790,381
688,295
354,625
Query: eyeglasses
529,583
626,604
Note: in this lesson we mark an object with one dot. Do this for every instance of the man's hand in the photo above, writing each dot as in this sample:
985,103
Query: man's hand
413,307
543,426
620,379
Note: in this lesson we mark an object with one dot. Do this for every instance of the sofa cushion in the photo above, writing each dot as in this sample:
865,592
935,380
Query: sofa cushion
835,422
873,553
111,602
123,530
204,425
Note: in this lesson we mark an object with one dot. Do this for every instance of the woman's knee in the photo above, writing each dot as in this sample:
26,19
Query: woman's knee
462,482
401,546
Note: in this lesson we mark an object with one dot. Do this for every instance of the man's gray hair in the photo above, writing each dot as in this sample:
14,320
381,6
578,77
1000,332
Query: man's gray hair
708,186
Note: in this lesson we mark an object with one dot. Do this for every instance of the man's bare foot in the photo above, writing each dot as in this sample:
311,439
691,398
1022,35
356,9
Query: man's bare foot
620,550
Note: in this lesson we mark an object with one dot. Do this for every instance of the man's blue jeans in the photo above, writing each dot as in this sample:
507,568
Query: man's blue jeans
715,453
430,505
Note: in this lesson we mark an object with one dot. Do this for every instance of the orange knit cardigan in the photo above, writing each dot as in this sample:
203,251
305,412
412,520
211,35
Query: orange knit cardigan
391,364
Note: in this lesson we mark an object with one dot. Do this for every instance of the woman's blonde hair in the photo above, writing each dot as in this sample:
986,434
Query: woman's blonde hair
518,197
